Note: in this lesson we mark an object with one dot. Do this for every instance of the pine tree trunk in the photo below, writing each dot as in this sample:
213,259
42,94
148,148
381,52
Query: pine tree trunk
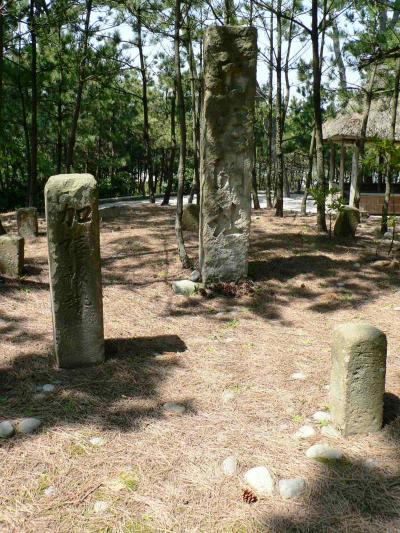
316,67
168,189
182,147
279,117
388,176
80,87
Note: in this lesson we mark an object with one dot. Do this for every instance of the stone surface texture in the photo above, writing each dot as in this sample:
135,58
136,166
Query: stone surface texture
11,255
346,222
227,151
2,230
74,267
358,378
27,222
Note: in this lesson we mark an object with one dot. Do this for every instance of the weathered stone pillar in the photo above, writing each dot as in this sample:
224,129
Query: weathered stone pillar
74,267
227,151
11,255
27,222
358,378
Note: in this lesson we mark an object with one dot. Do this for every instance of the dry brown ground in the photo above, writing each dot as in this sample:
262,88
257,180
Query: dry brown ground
160,473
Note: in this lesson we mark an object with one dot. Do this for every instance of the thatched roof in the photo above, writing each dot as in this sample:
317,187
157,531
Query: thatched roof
346,126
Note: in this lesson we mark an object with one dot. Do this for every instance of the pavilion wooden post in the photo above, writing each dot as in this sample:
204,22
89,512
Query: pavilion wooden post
355,178
342,168
332,164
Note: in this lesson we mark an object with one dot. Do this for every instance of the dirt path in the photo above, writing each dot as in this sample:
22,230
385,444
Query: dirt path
162,473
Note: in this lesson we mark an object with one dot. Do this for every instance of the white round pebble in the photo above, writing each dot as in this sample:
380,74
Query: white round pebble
28,425
174,408
49,387
6,429
260,480
371,464
227,396
305,432
298,375
96,441
50,491
322,416
323,451
229,465
290,488
397,309
100,506
330,431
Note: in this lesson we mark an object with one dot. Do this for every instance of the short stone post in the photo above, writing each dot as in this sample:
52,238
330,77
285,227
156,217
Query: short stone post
27,222
358,378
2,230
227,151
11,255
74,267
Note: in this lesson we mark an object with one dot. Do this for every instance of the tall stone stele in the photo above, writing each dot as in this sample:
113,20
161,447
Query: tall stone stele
74,267
358,378
227,151
27,222
11,255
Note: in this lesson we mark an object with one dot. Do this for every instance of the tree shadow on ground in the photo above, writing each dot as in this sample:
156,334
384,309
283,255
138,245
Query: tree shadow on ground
121,393
351,495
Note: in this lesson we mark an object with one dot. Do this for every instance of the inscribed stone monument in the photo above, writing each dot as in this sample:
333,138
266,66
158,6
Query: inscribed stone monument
227,151
74,267
358,378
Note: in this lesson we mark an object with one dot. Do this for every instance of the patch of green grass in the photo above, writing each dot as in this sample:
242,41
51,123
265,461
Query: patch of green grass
129,481
297,418
76,449
3,400
232,323
139,526
70,406
43,483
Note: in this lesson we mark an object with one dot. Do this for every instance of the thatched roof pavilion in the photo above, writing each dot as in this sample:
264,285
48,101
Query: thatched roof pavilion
346,126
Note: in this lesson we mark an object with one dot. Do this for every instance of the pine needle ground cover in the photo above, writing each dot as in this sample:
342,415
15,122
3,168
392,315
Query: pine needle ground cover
110,458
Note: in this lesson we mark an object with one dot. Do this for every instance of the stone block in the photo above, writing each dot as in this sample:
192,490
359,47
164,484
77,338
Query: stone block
11,255
27,222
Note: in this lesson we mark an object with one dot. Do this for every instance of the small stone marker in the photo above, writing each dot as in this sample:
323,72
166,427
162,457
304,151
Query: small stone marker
28,425
260,480
322,416
74,267
305,432
358,378
324,452
11,255
2,230
227,151
6,429
346,222
174,408
184,287
27,222
290,488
